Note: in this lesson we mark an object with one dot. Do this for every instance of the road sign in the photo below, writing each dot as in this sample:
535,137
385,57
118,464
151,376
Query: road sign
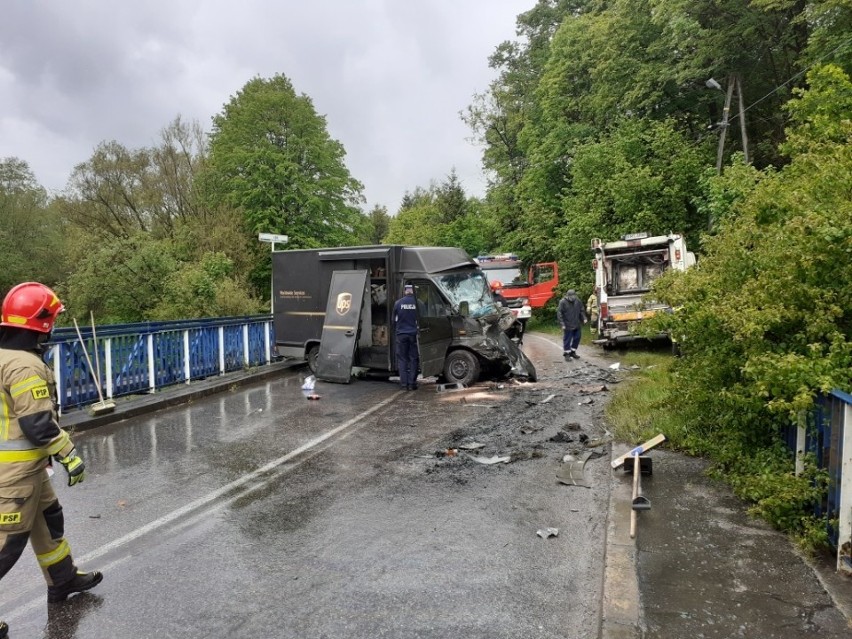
271,237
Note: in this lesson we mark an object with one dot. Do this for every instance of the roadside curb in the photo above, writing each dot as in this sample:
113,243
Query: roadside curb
135,405
621,613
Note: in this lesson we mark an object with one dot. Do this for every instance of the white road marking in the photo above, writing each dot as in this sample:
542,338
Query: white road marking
242,481
213,496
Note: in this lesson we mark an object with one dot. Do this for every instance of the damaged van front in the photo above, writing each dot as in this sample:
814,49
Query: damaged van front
479,328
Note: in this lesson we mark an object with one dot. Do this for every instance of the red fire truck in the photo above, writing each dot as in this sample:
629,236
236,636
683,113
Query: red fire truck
535,284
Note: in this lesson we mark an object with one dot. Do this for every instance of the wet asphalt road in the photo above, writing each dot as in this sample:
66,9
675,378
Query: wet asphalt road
257,513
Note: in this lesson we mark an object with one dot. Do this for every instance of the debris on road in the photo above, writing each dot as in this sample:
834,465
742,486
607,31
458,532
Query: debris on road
313,396
573,470
522,455
615,366
491,460
449,387
544,533
588,390
471,446
562,437
309,383
548,398
530,428
586,402
449,452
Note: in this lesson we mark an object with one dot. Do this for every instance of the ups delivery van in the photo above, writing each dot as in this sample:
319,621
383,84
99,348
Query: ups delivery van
332,308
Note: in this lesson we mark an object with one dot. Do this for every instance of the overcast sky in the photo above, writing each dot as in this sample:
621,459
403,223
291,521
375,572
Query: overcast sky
391,76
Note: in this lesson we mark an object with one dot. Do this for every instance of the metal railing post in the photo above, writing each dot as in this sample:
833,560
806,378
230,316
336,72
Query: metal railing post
246,359
187,368
152,369
221,350
266,345
108,366
844,510
57,375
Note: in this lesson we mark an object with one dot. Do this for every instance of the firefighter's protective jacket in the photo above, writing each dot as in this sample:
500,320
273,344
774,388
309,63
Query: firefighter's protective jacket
29,423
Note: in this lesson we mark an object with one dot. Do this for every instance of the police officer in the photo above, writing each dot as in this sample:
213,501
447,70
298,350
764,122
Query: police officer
406,325
29,436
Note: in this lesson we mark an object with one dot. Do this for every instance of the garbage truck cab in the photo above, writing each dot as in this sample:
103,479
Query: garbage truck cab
332,308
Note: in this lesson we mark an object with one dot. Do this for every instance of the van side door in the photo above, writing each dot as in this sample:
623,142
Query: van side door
436,330
340,330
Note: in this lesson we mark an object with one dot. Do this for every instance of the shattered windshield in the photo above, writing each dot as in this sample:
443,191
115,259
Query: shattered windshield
506,275
467,286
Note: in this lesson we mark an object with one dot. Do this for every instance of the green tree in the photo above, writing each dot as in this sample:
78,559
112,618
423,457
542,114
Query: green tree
644,176
32,231
766,320
272,158
379,224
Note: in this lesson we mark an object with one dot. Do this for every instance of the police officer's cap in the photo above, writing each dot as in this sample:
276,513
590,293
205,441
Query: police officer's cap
408,288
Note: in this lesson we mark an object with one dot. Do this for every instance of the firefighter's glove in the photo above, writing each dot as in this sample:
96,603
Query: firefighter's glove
74,466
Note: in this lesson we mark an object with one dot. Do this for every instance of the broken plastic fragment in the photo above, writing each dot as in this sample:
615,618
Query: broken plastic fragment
310,381
615,366
491,460
544,533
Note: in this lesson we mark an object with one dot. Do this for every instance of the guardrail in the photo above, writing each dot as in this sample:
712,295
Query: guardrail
827,433
148,356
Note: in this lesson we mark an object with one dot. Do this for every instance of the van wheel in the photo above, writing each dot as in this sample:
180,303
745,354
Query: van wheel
312,357
461,367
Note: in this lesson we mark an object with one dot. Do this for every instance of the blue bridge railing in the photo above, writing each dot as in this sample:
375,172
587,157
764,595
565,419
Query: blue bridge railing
826,433
144,357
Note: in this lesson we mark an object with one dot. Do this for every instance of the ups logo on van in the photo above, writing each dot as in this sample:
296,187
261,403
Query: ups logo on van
344,303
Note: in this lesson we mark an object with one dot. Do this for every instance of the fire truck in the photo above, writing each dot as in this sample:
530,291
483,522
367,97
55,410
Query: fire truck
624,271
534,286
523,288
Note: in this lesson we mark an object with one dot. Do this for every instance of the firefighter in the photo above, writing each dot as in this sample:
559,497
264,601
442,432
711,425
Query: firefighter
592,310
29,436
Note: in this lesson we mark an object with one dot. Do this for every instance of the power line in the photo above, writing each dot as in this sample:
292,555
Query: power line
798,75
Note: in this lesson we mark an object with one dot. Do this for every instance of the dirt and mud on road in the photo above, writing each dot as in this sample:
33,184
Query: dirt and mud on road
495,479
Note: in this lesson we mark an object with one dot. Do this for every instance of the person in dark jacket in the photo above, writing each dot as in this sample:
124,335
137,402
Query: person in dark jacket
571,316
406,325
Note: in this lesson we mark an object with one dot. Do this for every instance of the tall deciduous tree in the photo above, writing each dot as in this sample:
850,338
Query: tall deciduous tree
766,321
271,157
31,229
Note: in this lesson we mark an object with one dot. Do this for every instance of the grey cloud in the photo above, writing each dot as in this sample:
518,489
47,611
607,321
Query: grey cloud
389,75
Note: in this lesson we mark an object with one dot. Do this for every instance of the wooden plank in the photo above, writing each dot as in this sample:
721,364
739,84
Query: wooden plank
648,445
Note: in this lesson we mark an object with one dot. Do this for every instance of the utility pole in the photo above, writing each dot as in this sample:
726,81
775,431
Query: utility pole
724,125
742,119
733,84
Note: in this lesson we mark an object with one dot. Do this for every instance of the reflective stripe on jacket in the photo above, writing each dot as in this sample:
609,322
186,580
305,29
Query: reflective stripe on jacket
27,392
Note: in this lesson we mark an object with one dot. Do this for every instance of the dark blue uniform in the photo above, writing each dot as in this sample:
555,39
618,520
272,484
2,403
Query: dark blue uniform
405,329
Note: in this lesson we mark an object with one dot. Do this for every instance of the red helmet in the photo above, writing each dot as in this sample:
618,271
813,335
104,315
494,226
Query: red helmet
32,306
496,285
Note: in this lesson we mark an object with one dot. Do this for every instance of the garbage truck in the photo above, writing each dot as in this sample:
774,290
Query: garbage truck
624,271
332,308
